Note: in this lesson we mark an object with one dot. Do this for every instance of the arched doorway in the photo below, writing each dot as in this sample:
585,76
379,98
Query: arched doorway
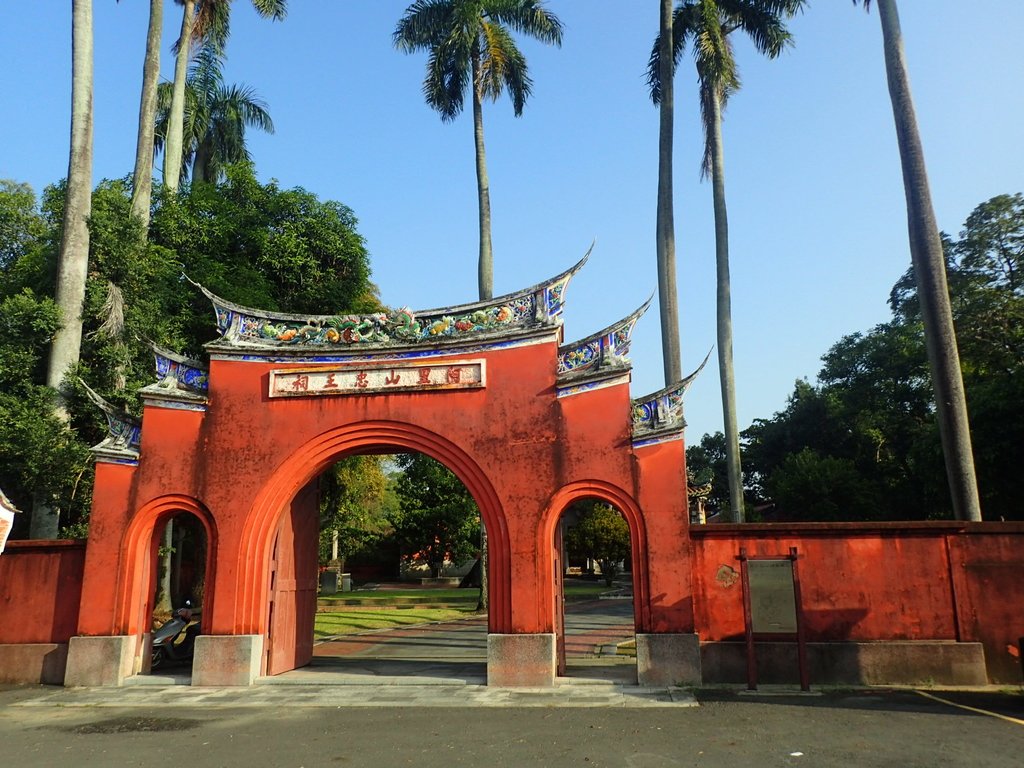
169,564
288,539
600,595
407,532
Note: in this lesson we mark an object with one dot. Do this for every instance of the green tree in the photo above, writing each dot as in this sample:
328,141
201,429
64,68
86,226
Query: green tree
73,258
665,233
252,243
354,495
709,25
706,463
601,534
21,225
40,457
202,21
142,177
216,116
815,487
470,45
438,520
930,273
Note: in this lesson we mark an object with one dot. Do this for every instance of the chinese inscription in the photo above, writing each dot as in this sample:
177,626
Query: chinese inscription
772,600
355,379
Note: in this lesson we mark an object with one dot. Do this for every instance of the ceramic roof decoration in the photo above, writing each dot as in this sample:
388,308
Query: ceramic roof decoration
661,413
124,431
506,316
606,349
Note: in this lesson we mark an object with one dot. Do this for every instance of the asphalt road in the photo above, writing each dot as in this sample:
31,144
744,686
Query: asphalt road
44,727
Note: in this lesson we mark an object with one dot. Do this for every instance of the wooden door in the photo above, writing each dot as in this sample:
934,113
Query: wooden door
293,583
559,602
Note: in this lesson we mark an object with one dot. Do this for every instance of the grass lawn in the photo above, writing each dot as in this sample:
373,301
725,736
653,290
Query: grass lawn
384,595
362,620
573,591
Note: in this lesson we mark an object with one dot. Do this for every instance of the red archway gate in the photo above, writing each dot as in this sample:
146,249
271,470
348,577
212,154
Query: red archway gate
489,389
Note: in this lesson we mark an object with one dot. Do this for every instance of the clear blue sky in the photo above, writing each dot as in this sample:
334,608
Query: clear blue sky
818,223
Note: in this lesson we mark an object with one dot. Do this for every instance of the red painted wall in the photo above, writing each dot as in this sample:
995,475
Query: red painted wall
988,581
864,582
40,585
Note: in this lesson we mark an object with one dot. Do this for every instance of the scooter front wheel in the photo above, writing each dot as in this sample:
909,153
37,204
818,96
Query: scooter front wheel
157,659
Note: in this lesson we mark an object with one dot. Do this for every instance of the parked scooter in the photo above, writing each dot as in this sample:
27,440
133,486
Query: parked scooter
175,640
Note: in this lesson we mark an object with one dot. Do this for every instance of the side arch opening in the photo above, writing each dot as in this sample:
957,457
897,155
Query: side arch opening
167,579
597,542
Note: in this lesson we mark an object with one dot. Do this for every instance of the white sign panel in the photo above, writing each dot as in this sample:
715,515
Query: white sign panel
364,380
6,523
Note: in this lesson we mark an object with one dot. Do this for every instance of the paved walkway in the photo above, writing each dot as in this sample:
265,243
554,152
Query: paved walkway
455,652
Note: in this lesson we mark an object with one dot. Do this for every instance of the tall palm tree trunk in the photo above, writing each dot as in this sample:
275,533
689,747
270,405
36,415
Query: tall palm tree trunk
176,119
142,179
726,372
665,226
73,259
201,163
930,272
485,265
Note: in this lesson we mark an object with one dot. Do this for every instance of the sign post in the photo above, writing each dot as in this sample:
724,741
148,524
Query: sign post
771,608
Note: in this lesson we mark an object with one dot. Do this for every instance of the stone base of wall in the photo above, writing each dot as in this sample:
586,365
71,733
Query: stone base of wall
227,659
668,659
99,661
908,662
521,660
33,663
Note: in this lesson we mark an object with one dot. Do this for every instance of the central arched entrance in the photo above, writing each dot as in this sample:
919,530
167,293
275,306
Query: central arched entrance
277,573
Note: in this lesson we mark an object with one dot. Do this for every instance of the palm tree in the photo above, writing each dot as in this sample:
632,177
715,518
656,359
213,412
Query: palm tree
175,128
216,116
665,235
73,257
202,21
709,23
470,45
142,178
930,274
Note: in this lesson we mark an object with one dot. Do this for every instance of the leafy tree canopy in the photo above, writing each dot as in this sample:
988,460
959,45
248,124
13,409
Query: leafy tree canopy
438,519
862,443
357,498
600,534
252,243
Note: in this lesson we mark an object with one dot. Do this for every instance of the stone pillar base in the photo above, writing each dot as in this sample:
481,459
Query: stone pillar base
668,659
33,663
99,661
526,661
227,659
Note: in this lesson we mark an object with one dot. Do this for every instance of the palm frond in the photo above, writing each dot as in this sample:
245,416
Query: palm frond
763,21
448,74
271,9
424,25
527,17
212,24
684,19
503,66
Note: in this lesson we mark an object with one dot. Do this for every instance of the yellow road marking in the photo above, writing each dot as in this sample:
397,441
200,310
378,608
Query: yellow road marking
1007,718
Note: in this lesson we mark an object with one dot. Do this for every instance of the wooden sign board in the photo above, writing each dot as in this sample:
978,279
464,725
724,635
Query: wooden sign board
772,599
772,607
376,379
